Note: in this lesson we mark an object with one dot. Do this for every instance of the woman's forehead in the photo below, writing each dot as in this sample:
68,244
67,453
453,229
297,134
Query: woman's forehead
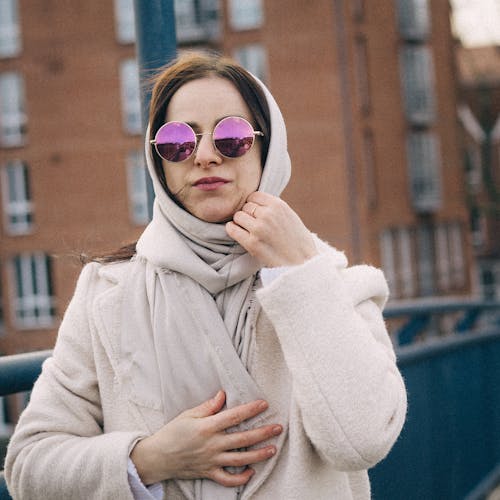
206,99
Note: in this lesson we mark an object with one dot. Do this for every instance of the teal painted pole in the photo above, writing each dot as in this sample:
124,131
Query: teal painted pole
156,46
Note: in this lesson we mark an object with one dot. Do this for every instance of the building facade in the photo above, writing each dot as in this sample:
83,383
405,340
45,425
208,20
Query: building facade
368,91
479,113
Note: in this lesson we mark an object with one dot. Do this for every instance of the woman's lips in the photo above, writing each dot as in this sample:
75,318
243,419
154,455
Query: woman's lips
210,183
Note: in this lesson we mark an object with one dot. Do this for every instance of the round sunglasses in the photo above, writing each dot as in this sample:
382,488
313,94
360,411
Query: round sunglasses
232,137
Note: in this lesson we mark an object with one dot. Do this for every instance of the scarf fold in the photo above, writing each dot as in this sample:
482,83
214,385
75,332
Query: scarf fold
192,290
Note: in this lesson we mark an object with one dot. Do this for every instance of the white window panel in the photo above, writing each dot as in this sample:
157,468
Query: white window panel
425,249
12,110
414,19
417,73
17,205
34,302
197,20
253,57
10,33
424,164
137,188
245,14
131,97
125,21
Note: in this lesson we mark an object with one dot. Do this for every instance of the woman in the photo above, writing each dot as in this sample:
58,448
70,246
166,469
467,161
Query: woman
232,354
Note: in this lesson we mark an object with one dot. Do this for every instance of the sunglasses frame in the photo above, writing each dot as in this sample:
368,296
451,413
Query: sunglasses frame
196,135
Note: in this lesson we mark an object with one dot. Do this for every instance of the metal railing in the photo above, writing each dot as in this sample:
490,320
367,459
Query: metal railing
450,445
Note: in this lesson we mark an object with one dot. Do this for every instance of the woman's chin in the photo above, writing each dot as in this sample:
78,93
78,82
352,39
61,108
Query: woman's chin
215,216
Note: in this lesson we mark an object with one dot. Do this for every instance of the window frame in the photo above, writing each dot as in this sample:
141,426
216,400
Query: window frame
137,195
125,21
12,110
17,204
10,30
130,96
238,17
33,303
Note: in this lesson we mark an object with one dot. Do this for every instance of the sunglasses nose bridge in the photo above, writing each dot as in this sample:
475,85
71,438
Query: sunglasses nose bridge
205,148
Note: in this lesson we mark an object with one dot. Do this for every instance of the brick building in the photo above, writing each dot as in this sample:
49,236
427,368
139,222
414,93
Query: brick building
479,112
367,90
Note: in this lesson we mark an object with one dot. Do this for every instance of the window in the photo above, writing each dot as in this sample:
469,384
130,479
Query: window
137,188
253,57
414,19
12,112
473,170
34,301
362,72
418,84
425,250
17,205
197,20
125,21
424,171
10,34
245,14
131,98
477,226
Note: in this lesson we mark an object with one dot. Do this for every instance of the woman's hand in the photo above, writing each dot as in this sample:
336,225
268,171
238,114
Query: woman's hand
195,445
271,231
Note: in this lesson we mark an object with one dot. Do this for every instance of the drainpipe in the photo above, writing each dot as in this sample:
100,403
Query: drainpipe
348,128
155,47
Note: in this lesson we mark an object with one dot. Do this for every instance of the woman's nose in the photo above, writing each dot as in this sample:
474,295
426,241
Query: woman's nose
206,155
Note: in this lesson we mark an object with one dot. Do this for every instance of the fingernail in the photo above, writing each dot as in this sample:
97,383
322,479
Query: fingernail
271,451
263,405
277,429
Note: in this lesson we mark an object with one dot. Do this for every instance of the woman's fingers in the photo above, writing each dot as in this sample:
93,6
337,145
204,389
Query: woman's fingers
235,416
242,458
245,439
227,479
207,408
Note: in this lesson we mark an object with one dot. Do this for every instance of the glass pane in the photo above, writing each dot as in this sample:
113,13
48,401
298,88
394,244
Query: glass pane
414,19
131,99
418,84
125,21
253,57
10,40
245,14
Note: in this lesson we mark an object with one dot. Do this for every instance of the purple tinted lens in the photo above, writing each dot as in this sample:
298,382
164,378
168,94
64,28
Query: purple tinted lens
175,141
233,136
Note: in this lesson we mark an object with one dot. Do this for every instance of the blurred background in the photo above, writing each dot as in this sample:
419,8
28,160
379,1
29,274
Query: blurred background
393,116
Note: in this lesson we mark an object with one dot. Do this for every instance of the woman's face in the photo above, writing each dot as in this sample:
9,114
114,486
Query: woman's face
208,185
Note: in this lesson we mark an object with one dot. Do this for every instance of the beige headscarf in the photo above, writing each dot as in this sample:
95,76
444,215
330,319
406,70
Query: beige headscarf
192,293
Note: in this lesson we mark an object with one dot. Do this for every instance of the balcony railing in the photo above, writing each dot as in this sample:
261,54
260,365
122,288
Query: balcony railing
448,353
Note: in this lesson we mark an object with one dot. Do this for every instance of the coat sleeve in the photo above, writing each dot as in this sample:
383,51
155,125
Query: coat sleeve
350,394
58,449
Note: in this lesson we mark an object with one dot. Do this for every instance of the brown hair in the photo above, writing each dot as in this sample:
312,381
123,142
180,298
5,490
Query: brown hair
188,67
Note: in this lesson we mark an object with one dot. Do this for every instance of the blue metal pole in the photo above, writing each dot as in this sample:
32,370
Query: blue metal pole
156,46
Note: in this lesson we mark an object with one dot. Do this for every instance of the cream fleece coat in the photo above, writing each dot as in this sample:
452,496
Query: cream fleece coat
320,354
